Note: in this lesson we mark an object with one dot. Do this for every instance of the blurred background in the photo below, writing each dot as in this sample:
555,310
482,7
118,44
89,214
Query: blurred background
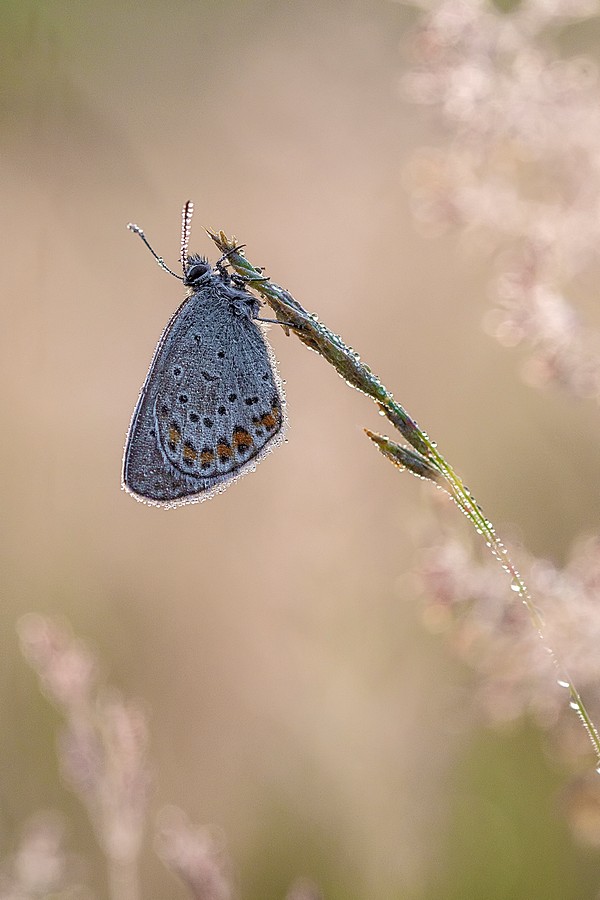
297,699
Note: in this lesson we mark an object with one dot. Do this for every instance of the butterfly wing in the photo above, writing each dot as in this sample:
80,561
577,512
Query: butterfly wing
211,405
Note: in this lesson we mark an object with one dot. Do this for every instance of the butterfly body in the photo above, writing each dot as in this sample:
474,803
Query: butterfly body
212,404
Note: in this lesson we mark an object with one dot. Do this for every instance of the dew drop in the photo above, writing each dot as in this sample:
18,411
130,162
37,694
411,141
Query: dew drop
574,705
516,587
562,683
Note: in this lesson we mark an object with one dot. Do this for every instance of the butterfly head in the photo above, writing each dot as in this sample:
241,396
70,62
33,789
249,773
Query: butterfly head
197,270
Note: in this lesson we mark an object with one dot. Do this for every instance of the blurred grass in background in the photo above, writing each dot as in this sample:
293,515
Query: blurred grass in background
274,634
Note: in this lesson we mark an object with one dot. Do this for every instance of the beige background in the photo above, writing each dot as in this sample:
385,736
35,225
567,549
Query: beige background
274,633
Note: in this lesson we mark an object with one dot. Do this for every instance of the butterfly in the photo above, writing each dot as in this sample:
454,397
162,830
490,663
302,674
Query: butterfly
212,404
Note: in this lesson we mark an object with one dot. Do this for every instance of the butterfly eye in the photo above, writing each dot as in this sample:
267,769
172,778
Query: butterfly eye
196,272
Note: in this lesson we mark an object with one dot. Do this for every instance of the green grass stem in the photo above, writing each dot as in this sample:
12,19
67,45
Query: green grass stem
423,460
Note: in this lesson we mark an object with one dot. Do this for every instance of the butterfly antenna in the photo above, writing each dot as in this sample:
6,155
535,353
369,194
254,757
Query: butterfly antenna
186,228
137,230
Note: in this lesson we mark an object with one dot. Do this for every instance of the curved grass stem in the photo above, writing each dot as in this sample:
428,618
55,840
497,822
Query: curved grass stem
423,460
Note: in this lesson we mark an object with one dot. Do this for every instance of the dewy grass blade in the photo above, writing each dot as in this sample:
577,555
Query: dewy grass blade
424,460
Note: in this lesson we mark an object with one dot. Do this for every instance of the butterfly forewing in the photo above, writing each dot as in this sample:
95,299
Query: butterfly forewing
211,405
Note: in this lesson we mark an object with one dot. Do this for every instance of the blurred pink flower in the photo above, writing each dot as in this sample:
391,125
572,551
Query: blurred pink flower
465,596
194,854
103,746
521,166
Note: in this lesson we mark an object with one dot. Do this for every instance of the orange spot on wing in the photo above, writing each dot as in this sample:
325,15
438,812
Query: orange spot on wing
241,437
224,450
189,453
174,434
270,419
